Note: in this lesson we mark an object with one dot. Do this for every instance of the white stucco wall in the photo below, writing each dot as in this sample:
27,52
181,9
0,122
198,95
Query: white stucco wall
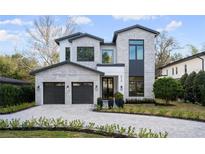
122,46
63,44
66,73
192,65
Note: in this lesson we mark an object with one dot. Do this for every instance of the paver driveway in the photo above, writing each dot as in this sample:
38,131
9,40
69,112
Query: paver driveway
175,127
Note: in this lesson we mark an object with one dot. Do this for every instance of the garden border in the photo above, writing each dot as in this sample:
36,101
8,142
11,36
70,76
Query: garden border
18,110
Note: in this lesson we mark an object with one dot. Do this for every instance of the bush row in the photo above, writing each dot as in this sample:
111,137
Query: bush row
14,95
59,123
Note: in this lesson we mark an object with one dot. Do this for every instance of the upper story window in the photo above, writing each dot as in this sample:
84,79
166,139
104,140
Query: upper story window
172,71
67,53
136,49
185,68
85,53
176,70
167,72
107,56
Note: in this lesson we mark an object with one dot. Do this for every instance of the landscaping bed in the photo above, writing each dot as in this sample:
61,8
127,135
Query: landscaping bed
175,110
15,108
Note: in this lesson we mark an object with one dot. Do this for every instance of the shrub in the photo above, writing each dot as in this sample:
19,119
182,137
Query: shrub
14,95
183,79
199,87
99,103
167,88
119,99
188,88
140,101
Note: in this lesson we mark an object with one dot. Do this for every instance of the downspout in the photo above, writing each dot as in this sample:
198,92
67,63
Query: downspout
202,60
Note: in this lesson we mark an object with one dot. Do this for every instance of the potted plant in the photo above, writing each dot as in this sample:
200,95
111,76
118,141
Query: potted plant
110,103
119,101
99,103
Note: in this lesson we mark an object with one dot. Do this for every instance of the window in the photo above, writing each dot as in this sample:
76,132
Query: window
167,72
136,86
172,71
85,53
107,56
67,53
136,49
185,68
176,70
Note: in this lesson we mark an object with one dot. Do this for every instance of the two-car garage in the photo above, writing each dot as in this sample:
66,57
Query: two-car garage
54,93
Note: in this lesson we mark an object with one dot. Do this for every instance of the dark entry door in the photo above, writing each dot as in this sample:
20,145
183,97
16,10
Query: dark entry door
82,93
54,93
107,87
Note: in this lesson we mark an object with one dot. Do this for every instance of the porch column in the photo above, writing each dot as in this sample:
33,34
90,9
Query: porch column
121,83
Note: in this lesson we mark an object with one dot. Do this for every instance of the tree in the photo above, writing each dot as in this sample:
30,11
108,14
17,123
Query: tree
176,56
165,44
194,50
189,88
42,35
167,88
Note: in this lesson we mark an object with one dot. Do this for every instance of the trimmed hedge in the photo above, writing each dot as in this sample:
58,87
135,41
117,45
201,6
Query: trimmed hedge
14,95
189,88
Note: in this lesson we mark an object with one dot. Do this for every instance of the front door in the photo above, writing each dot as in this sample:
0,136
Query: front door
107,87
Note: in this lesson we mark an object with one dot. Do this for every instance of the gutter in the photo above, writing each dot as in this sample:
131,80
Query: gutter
202,60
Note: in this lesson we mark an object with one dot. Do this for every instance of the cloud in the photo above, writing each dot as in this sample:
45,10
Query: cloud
5,36
82,20
15,21
171,26
134,17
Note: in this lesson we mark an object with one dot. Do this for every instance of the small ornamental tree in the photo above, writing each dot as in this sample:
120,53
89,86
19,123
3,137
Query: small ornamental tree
167,89
182,81
189,88
199,87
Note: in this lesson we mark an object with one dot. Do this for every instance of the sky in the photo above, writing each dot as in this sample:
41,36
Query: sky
185,29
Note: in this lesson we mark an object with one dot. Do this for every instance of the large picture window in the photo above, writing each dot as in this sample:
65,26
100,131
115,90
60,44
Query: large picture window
107,56
136,86
85,53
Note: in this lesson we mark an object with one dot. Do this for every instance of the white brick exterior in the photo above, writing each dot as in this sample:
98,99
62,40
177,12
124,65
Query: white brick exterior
192,65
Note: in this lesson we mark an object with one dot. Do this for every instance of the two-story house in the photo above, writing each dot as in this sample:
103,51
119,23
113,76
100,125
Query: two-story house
186,65
90,68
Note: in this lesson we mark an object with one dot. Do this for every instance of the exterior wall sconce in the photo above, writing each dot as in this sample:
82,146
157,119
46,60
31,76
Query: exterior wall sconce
38,87
96,87
67,87
121,88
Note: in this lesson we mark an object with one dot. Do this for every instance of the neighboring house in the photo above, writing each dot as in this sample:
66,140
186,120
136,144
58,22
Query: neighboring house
90,68
186,65
5,80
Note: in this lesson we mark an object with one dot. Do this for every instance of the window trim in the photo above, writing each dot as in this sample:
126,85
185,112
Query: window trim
66,53
86,47
185,68
143,87
131,44
176,72
172,70
112,55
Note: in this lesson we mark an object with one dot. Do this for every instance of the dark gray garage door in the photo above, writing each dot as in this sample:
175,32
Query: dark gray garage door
54,93
82,93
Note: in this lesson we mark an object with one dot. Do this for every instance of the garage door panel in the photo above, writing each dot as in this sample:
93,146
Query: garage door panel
54,93
82,93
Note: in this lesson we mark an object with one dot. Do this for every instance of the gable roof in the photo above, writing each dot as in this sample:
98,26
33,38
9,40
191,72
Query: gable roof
133,27
184,59
12,81
85,35
67,37
63,63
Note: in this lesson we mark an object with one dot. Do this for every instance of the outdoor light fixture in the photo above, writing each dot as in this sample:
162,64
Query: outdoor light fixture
121,88
67,87
96,87
38,87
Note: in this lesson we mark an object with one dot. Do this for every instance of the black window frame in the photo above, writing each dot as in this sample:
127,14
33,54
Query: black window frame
176,70
136,45
66,51
137,95
167,72
85,60
173,71
185,68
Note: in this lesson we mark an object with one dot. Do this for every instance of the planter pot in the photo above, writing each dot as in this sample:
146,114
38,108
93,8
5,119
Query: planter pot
100,103
110,104
119,103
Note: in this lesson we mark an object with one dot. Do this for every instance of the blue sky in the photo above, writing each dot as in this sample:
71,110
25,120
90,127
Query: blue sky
185,29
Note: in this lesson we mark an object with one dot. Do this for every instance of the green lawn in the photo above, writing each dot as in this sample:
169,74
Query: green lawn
180,110
45,134
15,108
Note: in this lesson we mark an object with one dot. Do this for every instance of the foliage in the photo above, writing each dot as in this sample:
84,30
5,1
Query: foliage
17,66
13,95
118,96
167,88
99,103
15,108
111,130
140,101
189,88
110,103
194,50
183,79
176,56
199,87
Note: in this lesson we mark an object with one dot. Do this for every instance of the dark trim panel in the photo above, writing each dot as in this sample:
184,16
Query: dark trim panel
63,63
114,65
86,35
66,37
